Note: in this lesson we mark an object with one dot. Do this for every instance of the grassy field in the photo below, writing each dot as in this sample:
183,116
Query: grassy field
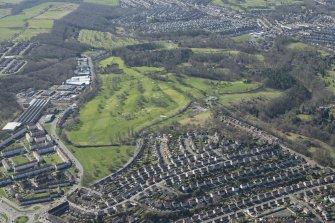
21,159
32,21
329,78
101,161
52,159
21,219
104,40
298,46
126,104
136,99
104,2
304,117
230,53
3,2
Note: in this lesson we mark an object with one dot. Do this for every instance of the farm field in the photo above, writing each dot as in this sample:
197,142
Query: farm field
104,40
98,162
32,21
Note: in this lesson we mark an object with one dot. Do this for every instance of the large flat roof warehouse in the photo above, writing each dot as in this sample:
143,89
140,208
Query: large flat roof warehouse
80,80
12,126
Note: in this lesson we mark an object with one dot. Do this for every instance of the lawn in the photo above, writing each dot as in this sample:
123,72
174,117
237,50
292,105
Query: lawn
32,21
104,40
52,159
101,161
21,159
21,219
47,128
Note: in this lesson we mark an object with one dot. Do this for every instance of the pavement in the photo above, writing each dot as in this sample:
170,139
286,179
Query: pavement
53,134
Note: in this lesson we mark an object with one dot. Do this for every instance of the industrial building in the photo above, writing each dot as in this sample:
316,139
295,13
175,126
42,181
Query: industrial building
34,112
80,80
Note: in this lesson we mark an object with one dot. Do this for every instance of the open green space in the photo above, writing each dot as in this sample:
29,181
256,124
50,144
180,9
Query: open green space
304,117
104,2
52,159
21,159
126,103
241,38
98,162
228,52
47,128
329,78
298,46
104,40
21,219
32,21
3,2
131,101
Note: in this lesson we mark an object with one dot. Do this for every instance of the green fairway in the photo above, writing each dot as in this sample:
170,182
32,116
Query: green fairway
104,40
101,161
136,99
33,21
126,104
104,2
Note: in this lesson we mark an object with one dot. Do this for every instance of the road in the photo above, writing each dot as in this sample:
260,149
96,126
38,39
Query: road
303,203
53,134
256,205
265,136
12,211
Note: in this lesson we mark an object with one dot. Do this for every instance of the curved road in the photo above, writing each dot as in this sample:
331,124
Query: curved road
53,134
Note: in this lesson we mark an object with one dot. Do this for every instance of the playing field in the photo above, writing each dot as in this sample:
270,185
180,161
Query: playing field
33,21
